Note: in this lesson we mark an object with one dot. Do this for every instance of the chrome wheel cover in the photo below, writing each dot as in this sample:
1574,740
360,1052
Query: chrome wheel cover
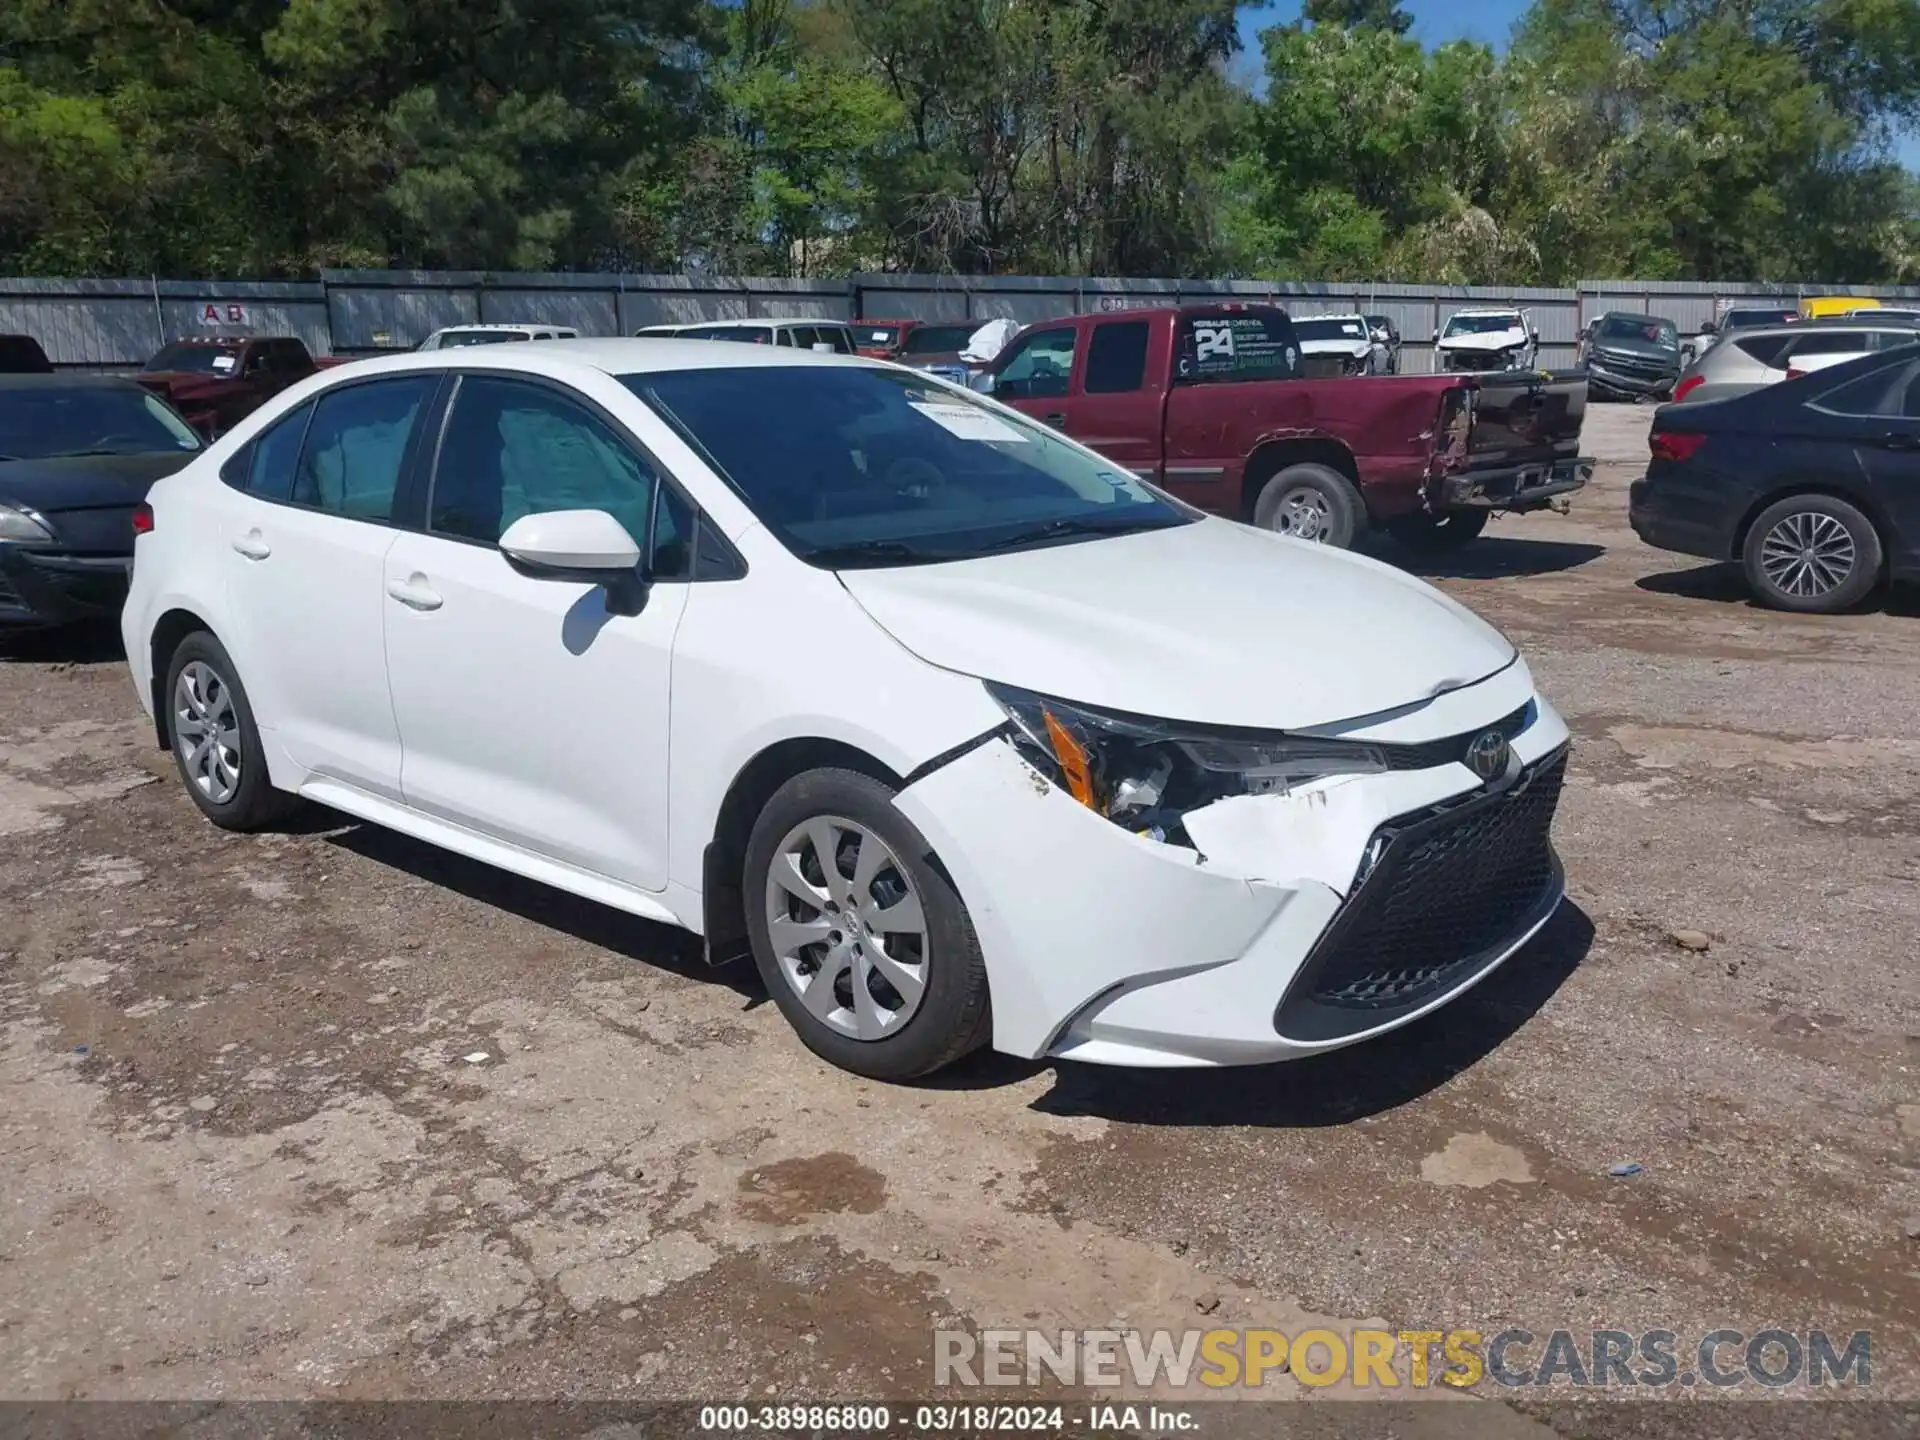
1304,514
206,732
847,928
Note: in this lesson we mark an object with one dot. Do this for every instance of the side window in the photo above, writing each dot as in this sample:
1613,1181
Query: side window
1117,357
673,527
1910,393
1877,394
351,462
274,455
1831,342
513,449
1039,368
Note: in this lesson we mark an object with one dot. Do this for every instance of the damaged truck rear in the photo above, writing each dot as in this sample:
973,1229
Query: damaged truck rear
1211,403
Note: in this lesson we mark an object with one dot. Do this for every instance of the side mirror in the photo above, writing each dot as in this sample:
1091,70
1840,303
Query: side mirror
1707,327
587,547
1436,334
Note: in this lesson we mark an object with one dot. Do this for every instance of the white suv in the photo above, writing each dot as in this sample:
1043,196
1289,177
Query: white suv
963,732
457,336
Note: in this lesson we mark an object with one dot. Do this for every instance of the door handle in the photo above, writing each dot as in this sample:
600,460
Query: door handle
1058,417
253,545
415,593
1897,441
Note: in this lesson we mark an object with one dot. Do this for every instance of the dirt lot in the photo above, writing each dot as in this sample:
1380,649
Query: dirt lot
245,1157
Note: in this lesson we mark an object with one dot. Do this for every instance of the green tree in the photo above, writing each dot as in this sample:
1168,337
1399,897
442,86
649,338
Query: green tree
1350,14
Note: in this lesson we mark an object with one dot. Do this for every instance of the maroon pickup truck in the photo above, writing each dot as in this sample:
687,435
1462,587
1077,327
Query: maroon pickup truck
216,383
1209,401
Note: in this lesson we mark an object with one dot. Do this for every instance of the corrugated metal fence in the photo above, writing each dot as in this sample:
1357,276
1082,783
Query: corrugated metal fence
114,323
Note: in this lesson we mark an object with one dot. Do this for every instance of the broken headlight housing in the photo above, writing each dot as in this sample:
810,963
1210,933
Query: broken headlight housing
1145,774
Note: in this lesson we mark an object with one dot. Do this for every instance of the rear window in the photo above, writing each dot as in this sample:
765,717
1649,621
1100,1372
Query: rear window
1257,346
1767,349
22,355
938,339
197,358
751,334
1117,357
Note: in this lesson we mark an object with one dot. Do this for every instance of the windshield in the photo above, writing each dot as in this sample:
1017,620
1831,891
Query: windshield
196,357
1631,327
1330,329
851,466
456,338
753,334
44,422
868,333
938,339
1482,324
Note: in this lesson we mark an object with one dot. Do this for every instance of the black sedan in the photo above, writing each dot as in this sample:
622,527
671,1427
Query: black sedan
77,454
1812,485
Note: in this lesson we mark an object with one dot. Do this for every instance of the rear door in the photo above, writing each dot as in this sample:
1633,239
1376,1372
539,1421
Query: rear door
1881,414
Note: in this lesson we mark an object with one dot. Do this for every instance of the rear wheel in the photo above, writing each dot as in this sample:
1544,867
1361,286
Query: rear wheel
1439,534
1312,502
857,932
216,742
1812,553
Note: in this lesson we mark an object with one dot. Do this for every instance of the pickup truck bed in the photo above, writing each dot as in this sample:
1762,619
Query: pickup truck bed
1211,403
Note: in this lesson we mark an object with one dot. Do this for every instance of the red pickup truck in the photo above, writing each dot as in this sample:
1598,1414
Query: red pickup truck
1209,401
217,382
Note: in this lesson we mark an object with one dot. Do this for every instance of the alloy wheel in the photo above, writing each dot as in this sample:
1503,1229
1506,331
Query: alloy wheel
847,928
206,732
1808,554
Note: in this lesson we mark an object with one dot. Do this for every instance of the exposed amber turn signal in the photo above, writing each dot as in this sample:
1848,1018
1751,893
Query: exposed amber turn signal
1076,767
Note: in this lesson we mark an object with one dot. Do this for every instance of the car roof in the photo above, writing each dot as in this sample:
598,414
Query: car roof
562,358
1633,315
71,380
1495,310
766,320
1333,315
506,325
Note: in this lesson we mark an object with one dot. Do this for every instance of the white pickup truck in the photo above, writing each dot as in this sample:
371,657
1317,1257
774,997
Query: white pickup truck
1486,340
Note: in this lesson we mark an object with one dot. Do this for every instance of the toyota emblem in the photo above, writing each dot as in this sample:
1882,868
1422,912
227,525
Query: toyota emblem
1487,755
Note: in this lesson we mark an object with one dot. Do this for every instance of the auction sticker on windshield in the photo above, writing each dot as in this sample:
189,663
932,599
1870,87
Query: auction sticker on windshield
968,423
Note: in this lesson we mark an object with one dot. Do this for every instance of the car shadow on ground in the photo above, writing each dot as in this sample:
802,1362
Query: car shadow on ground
664,947
1491,557
1724,583
1332,1089
93,643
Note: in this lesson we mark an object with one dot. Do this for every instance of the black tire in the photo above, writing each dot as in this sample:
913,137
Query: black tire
954,1015
1814,518
1340,513
254,804
1440,534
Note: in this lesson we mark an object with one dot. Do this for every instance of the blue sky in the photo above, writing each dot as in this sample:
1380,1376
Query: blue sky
1434,23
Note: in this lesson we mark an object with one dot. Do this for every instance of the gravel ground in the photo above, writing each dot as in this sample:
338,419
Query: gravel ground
326,1114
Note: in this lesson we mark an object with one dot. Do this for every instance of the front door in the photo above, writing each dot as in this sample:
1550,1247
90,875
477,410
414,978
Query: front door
527,711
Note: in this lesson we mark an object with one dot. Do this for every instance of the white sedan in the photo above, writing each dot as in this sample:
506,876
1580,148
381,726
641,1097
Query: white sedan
964,733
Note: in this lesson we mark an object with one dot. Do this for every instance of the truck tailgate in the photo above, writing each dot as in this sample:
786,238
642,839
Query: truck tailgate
1526,417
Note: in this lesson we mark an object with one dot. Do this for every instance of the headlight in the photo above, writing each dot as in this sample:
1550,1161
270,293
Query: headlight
1147,774
16,524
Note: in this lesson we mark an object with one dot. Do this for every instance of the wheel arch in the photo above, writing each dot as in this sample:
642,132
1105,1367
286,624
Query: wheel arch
1270,457
1828,488
722,899
169,630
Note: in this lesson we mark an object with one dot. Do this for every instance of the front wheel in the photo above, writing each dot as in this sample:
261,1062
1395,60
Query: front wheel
858,933
1812,553
1440,534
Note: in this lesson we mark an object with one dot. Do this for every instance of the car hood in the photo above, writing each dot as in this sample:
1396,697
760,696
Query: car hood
1335,347
87,482
1496,340
1213,622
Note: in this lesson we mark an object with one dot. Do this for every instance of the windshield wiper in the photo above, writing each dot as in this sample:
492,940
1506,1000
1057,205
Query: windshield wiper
874,552
1064,528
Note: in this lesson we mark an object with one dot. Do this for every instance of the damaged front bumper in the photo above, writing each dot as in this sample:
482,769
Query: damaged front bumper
1296,926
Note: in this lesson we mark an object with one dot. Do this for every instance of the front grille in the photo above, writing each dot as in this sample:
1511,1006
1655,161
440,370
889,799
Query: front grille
1635,364
1430,753
1447,889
